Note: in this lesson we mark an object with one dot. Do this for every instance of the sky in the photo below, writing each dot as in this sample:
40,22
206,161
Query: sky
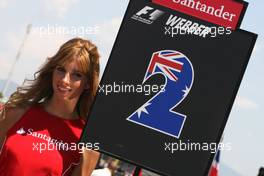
244,129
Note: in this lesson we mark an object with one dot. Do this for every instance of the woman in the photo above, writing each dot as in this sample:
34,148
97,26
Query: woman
43,119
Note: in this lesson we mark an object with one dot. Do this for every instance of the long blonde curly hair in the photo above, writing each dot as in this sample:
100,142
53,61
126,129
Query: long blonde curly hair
39,89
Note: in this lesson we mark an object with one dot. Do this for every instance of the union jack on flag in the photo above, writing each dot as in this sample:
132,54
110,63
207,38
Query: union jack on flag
214,171
167,63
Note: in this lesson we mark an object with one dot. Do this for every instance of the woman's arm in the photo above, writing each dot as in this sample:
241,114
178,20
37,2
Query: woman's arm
88,163
8,119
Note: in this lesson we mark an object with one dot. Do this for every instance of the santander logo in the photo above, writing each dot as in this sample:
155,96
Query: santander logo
21,131
31,132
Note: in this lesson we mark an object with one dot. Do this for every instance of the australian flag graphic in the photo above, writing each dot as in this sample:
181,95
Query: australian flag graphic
157,113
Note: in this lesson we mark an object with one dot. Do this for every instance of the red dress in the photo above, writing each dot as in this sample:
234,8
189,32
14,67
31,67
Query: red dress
41,144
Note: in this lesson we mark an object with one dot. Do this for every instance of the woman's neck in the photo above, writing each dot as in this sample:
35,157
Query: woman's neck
61,109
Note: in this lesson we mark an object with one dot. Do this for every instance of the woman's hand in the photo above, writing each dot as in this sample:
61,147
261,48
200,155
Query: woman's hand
89,160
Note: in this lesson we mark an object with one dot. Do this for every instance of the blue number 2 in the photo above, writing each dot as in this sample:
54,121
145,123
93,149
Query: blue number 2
157,113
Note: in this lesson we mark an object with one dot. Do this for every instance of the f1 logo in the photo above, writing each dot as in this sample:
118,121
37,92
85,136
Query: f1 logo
153,16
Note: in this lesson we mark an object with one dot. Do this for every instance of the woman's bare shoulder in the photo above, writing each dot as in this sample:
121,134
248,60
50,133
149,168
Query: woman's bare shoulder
14,113
10,116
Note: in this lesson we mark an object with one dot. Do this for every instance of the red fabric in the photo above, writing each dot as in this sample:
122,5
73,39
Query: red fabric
19,155
213,171
139,172
1,106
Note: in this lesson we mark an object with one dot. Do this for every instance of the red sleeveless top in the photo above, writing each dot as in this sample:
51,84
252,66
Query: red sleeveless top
41,144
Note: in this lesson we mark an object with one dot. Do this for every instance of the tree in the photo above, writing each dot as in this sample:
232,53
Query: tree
1,95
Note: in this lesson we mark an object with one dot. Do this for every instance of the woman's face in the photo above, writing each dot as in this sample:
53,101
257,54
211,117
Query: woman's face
68,81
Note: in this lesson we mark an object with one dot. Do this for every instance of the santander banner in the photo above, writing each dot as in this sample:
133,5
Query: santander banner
227,13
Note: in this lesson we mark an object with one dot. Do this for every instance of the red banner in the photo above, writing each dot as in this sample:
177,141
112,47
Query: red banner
225,13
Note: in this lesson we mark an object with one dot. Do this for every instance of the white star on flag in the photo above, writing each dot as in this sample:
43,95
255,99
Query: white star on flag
143,109
186,91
